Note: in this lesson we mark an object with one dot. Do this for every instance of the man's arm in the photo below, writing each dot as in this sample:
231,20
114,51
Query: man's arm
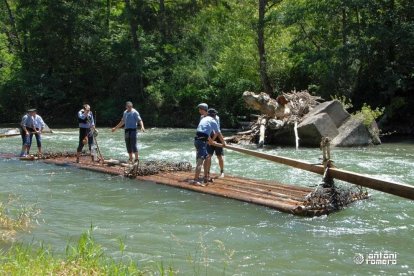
211,139
141,123
41,124
221,137
24,127
119,125
92,122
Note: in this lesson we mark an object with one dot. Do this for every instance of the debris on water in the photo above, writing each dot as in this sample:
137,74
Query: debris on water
53,155
333,198
154,167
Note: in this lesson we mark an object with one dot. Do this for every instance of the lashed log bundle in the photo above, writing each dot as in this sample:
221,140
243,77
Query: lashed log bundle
286,198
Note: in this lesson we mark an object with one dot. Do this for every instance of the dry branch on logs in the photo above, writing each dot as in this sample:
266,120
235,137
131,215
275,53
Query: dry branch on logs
282,112
300,103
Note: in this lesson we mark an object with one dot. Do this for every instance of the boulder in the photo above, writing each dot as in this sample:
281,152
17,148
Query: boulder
374,131
334,109
313,128
354,133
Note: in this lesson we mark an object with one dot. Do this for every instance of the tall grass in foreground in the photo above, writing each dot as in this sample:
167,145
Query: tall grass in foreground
85,257
15,216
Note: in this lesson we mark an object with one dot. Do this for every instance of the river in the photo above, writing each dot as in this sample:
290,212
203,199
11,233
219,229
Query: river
201,234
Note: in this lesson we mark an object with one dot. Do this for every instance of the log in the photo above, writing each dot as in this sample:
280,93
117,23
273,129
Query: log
390,187
245,132
262,132
262,102
295,129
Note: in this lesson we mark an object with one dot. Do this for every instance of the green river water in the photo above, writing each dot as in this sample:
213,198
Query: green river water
201,234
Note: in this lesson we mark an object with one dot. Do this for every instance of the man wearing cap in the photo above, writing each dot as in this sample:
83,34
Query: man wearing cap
86,129
202,109
130,119
214,149
31,124
207,126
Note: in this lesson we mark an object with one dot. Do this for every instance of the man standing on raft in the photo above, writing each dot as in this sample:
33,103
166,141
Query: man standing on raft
31,124
207,126
86,129
214,149
130,119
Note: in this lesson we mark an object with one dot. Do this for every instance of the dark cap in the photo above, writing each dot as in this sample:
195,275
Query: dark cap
203,106
32,110
212,111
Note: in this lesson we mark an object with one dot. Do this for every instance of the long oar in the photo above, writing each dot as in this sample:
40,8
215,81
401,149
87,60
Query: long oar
3,135
395,188
97,146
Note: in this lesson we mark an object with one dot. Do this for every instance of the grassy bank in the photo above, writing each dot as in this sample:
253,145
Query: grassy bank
83,257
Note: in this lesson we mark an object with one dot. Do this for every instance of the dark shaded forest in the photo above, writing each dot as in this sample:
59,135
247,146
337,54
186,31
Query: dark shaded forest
167,56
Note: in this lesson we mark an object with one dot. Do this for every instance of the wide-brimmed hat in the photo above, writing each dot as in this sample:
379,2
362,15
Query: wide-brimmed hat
203,106
212,111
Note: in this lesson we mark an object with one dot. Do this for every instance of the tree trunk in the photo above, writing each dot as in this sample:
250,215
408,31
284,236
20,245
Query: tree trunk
344,27
390,26
262,132
133,25
108,14
267,86
16,40
162,21
137,45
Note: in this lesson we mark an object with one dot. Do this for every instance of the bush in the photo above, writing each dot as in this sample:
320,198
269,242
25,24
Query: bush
368,114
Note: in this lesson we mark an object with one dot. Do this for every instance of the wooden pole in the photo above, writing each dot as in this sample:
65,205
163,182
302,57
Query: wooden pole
262,132
9,135
395,188
295,129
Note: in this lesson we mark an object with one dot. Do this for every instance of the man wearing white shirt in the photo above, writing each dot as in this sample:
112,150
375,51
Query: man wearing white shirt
31,123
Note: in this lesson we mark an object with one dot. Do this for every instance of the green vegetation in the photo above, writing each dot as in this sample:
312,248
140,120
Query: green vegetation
368,114
14,217
86,257
346,103
167,56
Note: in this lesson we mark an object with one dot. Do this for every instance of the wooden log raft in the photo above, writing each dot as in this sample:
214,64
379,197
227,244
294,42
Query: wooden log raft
286,198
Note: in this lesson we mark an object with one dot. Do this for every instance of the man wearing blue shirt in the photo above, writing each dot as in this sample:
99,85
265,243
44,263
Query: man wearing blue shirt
130,119
31,124
202,109
218,150
206,128
86,129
